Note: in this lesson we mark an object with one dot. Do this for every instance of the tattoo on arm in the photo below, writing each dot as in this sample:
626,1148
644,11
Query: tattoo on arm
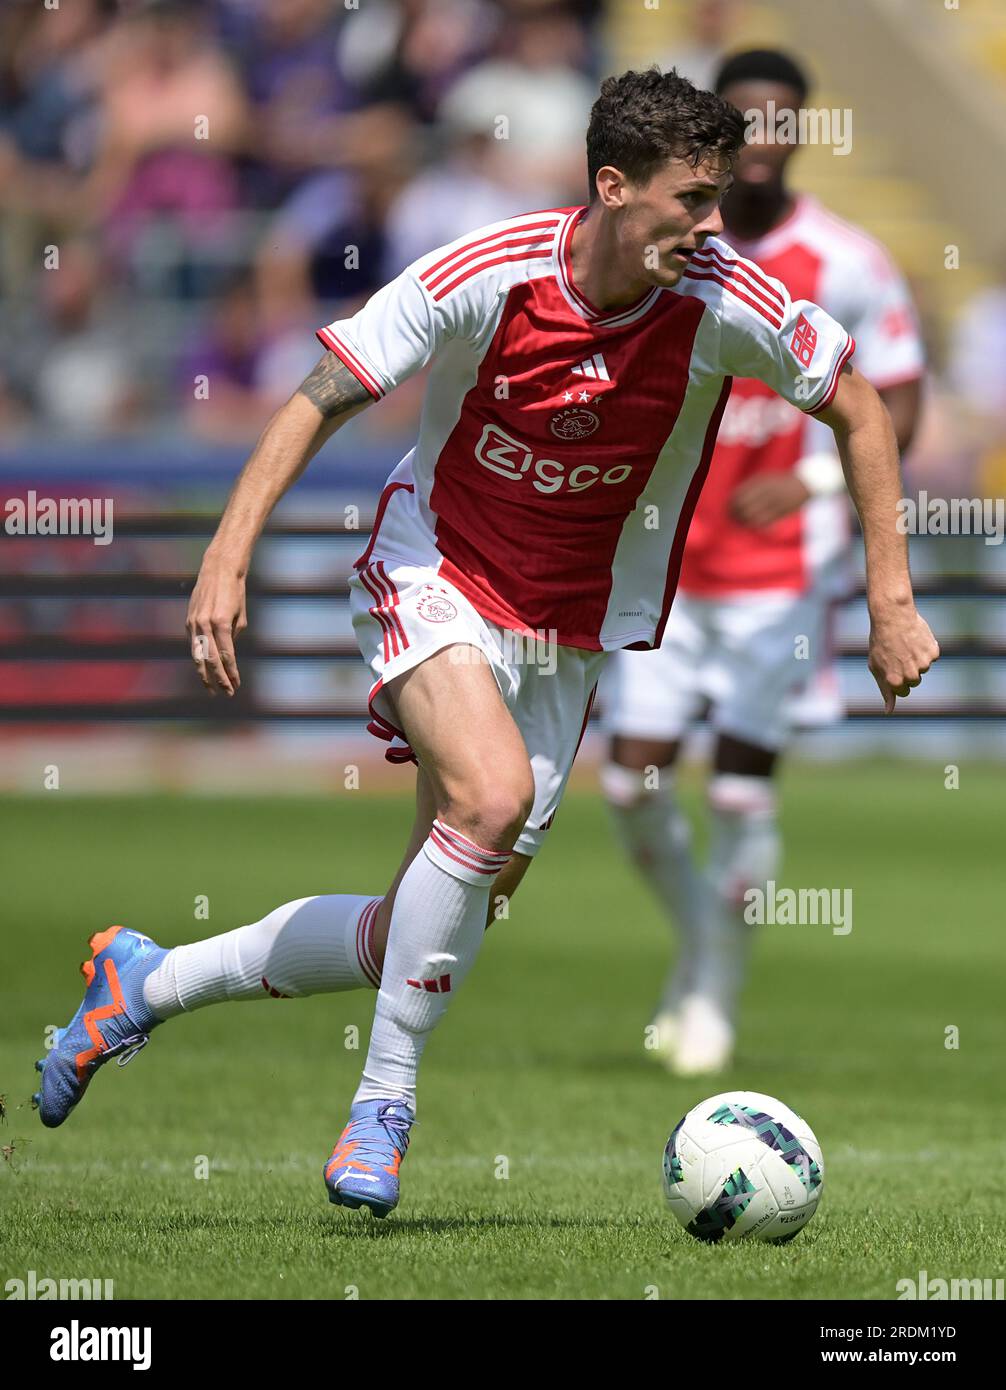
333,388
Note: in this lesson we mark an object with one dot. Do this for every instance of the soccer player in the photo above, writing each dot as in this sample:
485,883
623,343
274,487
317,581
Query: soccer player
581,359
766,554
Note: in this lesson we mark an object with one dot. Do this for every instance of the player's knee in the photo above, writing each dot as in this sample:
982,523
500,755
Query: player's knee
733,795
493,809
625,787
743,760
502,814
645,755
745,851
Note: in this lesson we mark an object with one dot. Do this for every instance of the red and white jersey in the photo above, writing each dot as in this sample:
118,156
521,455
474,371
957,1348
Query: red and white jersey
562,449
819,257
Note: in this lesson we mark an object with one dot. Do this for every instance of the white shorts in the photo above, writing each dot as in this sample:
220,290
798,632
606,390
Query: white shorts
404,613
741,654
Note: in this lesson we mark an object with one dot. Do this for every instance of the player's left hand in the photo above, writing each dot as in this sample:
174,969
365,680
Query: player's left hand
902,649
762,500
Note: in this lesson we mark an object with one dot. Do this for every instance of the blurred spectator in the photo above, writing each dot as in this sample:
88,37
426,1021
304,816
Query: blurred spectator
531,96
340,144
977,369
78,366
466,188
712,26
171,114
312,109
328,239
43,87
411,50
978,356
247,362
47,124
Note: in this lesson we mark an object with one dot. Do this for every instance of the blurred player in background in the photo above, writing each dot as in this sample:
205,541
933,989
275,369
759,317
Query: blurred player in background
767,554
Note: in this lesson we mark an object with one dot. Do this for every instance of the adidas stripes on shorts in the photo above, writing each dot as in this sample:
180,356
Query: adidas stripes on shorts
404,613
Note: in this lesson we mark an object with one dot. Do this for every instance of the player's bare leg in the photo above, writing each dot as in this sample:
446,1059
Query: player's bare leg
481,787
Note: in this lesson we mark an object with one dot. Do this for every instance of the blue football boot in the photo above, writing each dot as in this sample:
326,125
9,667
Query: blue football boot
363,1168
112,1021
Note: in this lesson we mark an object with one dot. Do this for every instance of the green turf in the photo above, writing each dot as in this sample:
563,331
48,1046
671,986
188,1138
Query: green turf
540,1062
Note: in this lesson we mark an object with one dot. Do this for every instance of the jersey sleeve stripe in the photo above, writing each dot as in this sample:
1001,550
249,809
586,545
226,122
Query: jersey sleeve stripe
328,339
836,372
745,270
737,292
486,241
485,265
534,239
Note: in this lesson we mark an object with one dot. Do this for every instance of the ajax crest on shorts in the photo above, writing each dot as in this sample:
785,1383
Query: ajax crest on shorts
434,605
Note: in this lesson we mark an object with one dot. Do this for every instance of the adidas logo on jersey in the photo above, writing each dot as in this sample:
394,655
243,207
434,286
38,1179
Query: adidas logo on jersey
594,368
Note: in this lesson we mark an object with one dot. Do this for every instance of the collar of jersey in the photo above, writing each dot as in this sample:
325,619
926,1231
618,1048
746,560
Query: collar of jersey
596,317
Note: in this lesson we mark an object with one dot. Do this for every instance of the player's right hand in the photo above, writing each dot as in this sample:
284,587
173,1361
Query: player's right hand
902,649
216,615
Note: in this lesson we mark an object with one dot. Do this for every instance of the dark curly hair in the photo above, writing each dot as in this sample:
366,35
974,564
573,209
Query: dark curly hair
643,119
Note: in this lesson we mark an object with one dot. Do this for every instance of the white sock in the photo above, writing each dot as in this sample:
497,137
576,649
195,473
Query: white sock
744,853
311,946
437,926
657,836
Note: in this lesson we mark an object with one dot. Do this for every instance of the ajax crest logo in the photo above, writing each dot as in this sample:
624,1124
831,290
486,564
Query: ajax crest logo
434,605
574,423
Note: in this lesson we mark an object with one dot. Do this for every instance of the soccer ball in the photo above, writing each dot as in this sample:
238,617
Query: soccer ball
743,1166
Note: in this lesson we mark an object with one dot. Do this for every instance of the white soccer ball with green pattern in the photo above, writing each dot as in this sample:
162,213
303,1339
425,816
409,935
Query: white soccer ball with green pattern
743,1166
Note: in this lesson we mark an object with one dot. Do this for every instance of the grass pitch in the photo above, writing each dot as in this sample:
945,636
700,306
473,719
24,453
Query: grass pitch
538,1072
